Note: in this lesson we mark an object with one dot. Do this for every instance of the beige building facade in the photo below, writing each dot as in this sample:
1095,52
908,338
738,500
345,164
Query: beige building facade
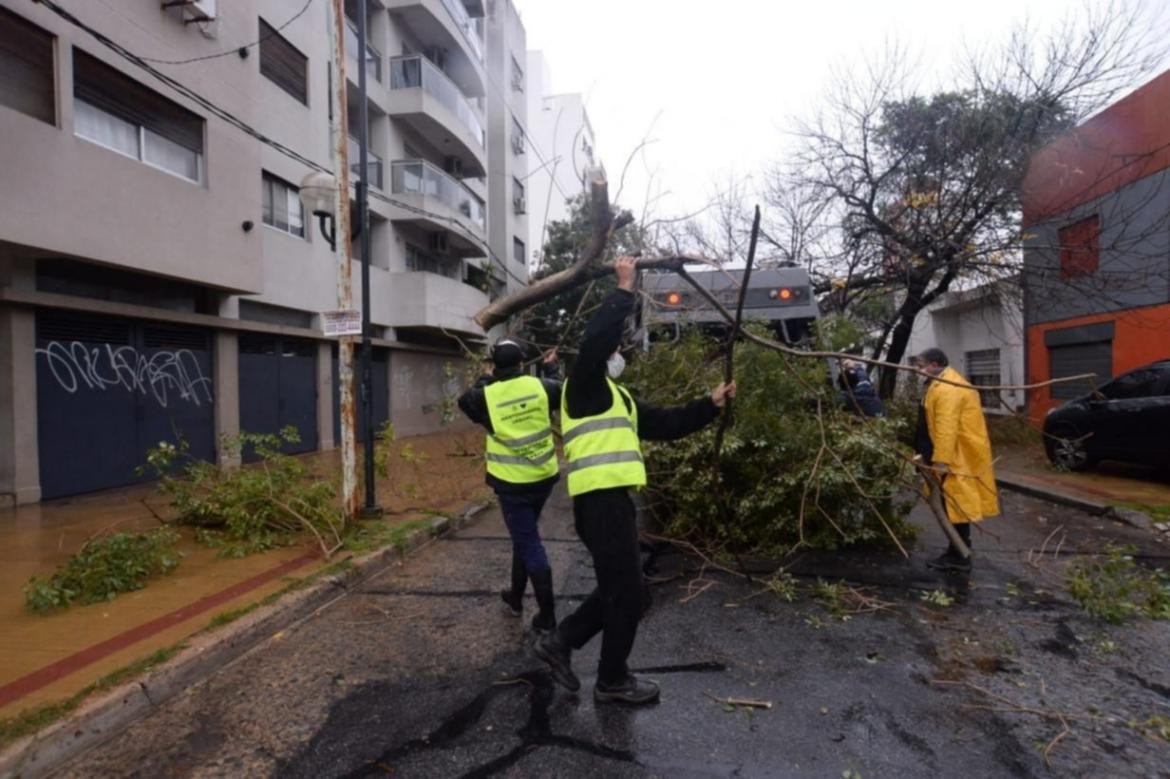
158,277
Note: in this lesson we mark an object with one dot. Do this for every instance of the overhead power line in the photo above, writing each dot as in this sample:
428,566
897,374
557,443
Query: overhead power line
235,49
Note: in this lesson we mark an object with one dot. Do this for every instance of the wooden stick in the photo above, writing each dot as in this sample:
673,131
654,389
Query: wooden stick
745,702
934,500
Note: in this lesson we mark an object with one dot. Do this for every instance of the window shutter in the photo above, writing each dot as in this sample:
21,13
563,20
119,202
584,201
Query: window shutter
112,91
282,63
26,67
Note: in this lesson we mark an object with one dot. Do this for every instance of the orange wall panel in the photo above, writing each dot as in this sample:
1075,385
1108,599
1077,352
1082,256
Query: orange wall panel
1140,336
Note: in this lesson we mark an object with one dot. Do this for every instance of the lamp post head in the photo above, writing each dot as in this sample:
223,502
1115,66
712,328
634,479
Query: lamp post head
317,193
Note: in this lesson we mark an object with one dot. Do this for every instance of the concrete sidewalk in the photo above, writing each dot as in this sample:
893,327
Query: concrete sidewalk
1132,494
47,659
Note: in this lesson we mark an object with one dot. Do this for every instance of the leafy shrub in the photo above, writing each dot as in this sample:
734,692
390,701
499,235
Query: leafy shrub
1116,588
104,568
251,508
790,477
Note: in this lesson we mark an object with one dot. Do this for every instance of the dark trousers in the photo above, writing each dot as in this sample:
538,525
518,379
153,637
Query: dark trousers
606,523
521,514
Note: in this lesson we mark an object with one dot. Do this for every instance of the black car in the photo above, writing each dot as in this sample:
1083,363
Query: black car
1125,419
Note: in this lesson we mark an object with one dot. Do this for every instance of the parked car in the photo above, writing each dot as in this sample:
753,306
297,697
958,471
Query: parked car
1125,419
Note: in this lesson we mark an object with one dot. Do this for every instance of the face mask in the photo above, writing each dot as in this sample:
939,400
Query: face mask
615,365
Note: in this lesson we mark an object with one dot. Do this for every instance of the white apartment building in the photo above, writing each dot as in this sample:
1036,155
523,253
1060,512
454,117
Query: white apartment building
561,130
157,273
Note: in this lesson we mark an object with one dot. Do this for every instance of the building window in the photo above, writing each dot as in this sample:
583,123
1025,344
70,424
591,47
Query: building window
282,206
983,371
519,253
26,68
1080,245
517,136
282,64
112,110
519,203
419,260
517,76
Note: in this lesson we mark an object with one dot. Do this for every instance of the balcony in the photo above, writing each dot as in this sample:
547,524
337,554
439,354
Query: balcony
472,32
374,162
373,56
424,97
438,201
431,300
445,27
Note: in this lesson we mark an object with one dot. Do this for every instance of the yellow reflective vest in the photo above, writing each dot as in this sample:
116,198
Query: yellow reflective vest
520,447
603,451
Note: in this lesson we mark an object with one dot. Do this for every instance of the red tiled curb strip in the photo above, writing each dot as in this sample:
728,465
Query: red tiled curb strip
50,673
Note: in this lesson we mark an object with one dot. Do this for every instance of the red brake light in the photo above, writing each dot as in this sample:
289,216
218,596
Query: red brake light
674,298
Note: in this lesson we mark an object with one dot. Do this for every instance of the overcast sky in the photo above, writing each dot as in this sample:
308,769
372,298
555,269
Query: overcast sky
725,78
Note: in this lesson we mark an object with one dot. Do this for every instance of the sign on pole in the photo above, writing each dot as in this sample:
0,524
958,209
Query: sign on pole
343,322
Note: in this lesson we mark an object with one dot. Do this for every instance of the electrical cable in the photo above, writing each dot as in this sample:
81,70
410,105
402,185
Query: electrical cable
243,126
237,49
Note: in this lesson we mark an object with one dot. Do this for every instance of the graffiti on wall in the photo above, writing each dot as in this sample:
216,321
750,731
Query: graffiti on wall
164,375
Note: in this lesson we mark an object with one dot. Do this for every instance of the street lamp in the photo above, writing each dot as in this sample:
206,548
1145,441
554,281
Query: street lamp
318,195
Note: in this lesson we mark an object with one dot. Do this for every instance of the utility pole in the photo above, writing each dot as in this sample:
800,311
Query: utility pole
339,135
370,510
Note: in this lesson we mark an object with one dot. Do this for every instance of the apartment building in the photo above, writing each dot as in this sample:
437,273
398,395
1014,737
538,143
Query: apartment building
561,130
158,276
1097,249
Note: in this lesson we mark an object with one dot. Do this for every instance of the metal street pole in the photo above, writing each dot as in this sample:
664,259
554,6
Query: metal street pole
339,135
363,203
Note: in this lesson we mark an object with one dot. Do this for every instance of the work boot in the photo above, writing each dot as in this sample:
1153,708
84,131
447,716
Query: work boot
552,650
950,560
514,598
631,690
546,619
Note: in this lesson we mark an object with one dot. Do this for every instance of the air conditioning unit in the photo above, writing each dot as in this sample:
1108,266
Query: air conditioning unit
520,204
194,10
439,243
454,166
518,143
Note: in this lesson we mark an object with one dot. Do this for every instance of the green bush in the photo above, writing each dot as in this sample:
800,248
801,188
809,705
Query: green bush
790,477
1116,588
104,568
251,508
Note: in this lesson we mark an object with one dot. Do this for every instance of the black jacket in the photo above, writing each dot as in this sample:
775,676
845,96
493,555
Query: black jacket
473,403
858,393
588,393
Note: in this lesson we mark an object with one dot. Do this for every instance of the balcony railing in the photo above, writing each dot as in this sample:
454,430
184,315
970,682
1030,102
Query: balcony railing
415,71
419,260
471,29
373,56
355,164
419,177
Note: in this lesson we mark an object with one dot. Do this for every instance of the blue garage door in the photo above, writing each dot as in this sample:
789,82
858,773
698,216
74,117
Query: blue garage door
108,389
380,388
278,387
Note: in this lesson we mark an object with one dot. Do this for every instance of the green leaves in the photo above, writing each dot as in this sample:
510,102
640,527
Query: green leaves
1116,588
104,568
790,477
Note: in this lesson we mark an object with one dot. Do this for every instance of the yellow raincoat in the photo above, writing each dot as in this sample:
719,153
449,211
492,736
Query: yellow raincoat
958,431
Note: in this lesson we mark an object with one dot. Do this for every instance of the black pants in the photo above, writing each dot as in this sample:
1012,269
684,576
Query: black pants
606,523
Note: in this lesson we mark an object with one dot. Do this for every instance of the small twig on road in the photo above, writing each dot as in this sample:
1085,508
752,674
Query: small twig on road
744,702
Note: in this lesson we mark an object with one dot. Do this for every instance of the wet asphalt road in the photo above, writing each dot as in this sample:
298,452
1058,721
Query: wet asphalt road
419,673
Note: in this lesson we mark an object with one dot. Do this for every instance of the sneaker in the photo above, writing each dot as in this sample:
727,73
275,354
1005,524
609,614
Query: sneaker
515,605
633,691
550,649
950,561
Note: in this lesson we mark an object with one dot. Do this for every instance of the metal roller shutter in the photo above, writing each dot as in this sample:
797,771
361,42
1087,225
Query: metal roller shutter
1074,359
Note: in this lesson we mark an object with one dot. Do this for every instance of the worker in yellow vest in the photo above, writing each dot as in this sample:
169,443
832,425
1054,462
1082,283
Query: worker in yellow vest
601,426
521,460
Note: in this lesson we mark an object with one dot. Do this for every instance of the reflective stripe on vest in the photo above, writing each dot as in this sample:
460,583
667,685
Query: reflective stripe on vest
521,448
603,451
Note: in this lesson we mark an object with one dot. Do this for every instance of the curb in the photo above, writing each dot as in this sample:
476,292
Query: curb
111,712
1127,516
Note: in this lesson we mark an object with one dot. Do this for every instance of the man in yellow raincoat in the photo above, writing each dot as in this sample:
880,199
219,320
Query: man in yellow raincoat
953,439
